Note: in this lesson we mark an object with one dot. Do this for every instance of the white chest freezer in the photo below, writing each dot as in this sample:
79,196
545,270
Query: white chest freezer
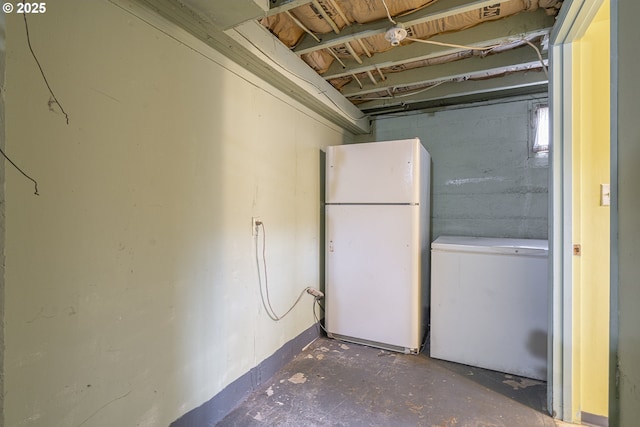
489,303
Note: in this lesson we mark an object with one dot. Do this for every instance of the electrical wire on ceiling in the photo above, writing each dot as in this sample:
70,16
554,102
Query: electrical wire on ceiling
408,93
544,67
384,3
458,46
486,48
396,34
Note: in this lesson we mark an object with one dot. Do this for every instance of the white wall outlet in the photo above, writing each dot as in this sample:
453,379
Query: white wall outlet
605,195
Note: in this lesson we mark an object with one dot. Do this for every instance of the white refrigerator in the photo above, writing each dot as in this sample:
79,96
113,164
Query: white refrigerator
377,243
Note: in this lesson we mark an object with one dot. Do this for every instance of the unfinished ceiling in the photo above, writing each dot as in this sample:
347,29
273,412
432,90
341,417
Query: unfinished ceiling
348,59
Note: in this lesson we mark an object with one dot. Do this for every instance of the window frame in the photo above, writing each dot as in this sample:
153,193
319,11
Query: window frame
538,158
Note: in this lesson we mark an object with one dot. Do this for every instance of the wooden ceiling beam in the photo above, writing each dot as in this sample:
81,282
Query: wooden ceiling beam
522,25
519,58
438,10
529,81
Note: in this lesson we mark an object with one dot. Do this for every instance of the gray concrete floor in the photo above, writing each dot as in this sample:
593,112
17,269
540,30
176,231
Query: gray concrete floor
332,383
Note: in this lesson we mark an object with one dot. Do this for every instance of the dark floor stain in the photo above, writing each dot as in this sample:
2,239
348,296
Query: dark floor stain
338,384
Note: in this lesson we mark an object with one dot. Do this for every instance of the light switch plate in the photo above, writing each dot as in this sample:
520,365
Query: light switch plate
605,195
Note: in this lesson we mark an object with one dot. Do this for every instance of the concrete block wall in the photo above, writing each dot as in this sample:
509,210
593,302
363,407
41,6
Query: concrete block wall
485,181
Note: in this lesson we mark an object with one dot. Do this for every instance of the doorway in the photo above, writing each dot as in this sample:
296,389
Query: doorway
580,210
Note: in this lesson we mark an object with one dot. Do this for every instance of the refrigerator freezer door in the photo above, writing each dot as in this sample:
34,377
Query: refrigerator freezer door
373,274
377,172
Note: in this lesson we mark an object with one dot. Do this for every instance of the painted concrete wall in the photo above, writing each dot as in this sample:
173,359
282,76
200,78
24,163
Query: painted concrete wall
627,205
2,213
591,220
484,181
131,284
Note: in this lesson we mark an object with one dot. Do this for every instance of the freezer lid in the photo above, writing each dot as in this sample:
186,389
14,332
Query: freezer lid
491,245
376,172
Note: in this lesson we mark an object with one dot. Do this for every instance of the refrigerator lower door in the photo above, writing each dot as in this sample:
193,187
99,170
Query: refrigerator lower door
373,284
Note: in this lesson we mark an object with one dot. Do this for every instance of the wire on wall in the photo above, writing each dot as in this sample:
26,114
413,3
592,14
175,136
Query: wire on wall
315,316
35,183
54,99
264,293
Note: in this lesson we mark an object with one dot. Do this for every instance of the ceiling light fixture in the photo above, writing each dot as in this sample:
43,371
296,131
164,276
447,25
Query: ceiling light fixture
395,34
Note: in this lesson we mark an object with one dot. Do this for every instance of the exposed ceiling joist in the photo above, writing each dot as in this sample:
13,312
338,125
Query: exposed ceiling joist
520,26
521,58
279,6
438,10
224,14
411,75
473,90
277,59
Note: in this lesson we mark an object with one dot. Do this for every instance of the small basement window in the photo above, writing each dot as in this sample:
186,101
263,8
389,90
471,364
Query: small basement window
540,129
